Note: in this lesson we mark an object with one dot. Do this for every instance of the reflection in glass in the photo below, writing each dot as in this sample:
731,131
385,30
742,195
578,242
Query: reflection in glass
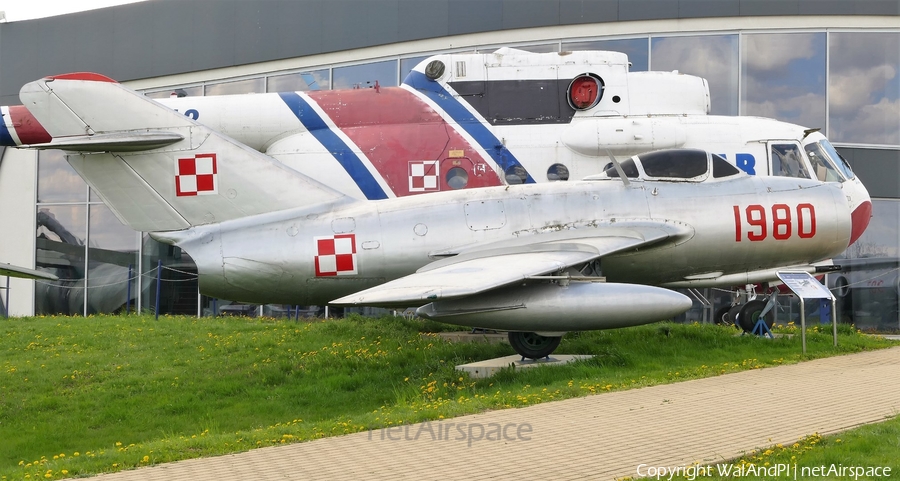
713,57
407,64
59,248
868,286
787,84
515,174
822,166
543,48
196,91
301,81
57,180
557,172
112,263
253,85
637,50
365,75
178,279
864,87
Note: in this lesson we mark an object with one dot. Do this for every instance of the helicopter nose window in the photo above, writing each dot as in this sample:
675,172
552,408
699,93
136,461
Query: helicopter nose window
787,161
836,159
822,167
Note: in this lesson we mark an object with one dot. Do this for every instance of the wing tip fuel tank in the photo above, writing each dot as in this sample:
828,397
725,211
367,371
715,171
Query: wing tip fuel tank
577,306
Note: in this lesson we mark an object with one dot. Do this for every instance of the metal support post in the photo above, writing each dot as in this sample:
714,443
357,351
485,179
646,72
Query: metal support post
158,282
6,306
128,295
803,324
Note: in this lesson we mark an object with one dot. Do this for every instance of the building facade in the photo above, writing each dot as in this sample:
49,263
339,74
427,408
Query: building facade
833,65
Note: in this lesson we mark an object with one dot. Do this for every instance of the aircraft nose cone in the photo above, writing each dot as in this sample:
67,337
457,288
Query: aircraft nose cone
859,220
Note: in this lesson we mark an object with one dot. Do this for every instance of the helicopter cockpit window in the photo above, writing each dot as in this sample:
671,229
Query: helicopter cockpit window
787,161
838,159
675,164
822,165
721,168
627,166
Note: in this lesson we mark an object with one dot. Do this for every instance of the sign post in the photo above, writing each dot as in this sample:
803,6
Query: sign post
805,286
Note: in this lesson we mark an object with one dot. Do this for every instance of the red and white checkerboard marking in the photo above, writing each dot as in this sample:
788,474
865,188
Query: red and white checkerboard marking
197,175
336,255
423,175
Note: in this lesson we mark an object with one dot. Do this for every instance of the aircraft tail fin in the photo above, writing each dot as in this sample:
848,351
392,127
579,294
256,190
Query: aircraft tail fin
155,168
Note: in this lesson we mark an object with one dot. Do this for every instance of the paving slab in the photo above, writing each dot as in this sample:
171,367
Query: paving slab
604,436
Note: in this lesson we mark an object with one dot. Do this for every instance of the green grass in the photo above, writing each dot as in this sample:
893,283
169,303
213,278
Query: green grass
81,396
870,447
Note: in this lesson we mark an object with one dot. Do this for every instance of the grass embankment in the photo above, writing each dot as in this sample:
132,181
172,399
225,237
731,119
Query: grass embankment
98,394
867,452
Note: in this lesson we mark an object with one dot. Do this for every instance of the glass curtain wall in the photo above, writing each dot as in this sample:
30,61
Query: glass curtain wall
864,88
713,57
637,49
787,84
82,242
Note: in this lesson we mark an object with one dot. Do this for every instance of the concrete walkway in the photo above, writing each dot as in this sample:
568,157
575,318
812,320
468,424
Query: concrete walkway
603,436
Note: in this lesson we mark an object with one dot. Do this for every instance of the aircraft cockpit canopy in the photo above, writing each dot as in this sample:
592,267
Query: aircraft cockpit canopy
676,165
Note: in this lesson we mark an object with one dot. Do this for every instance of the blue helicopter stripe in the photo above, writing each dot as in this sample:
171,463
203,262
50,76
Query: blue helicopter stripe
337,147
485,138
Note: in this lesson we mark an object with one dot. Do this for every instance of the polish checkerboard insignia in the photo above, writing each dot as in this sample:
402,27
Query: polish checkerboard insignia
336,255
197,175
423,176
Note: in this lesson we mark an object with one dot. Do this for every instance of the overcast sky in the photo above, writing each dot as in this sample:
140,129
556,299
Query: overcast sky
27,9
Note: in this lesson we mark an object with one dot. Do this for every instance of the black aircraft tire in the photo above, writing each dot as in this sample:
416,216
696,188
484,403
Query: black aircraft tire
750,312
732,315
532,345
720,318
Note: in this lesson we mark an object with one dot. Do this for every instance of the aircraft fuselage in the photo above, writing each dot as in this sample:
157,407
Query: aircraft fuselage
315,255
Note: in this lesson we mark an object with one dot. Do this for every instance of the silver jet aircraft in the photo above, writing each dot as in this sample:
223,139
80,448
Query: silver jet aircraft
537,260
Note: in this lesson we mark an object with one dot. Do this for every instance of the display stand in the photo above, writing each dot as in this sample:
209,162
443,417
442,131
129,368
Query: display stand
805,286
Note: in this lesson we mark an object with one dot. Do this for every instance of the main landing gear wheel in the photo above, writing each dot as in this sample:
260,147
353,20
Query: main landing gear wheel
732,315
721,317
750,313
533,345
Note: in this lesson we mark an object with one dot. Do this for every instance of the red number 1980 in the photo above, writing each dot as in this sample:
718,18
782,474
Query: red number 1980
754,220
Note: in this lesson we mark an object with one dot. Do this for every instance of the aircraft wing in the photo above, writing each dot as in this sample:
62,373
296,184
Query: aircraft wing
15,271
477,270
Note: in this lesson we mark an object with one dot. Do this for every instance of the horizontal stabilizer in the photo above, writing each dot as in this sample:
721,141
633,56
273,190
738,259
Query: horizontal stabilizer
24,273
118,141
